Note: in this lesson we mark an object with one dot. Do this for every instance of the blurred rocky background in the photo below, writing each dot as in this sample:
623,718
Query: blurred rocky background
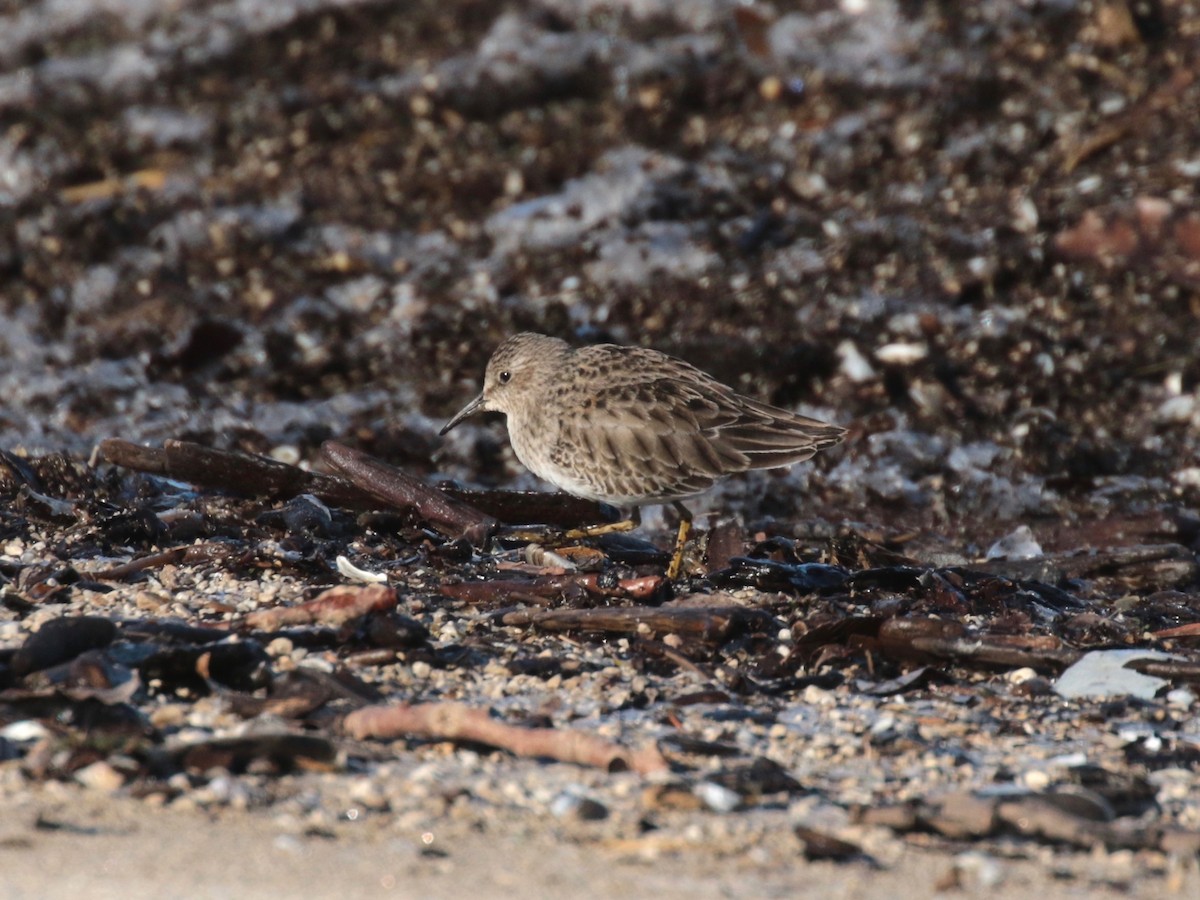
968,231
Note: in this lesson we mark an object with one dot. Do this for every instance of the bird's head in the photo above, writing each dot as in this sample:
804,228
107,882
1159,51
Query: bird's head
516,375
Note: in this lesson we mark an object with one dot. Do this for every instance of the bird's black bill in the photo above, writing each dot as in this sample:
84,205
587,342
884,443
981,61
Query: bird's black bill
469,410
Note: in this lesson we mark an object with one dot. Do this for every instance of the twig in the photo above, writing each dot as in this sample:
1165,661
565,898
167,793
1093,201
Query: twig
708,623
334,607
241,473
402,491
459,722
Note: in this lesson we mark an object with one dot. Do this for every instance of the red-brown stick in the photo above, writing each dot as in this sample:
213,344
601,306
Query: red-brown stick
459,722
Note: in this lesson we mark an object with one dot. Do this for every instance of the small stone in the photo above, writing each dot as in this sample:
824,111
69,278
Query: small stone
571,804
286,453
770,88
1020,676
368,794
25,731
1181,697
717,797
514,183
978,871
1033,687
1020,544
854,365
815,696
172,715
148,600
670,796
100,776
900,353
1036,780
884,730
820,844
1189,477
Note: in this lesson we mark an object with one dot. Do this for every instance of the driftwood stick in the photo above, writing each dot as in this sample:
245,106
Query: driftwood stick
460,722
547,586
192,554
707,623
334,607
241,473
368,484
402,491
936,640
132,456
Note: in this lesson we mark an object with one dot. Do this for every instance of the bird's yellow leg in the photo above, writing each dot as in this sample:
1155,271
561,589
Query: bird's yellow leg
685,530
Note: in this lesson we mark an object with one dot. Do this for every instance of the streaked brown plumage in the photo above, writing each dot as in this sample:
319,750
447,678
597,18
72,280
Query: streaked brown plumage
631,426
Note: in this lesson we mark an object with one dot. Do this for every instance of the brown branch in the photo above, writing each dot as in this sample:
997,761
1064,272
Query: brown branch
334,607
240,473
711,623
368,484
1132,118
402,491
936,640
459,722
1174,670
189,555
547,586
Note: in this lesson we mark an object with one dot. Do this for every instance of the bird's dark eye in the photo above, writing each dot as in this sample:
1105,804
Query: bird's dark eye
505,377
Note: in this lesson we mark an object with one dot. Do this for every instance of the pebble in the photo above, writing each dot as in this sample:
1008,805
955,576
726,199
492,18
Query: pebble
317,663
1035,780
901,354
149,600
1020,676
286,453
24,731
1181,697
815,696
571,804
854,365
369,795
717,797
169,715
978,871
100,776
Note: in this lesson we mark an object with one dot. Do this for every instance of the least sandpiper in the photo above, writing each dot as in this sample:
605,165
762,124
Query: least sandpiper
631,427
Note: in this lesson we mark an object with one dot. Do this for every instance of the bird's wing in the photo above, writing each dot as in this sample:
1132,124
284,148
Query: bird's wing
687,420
652,436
